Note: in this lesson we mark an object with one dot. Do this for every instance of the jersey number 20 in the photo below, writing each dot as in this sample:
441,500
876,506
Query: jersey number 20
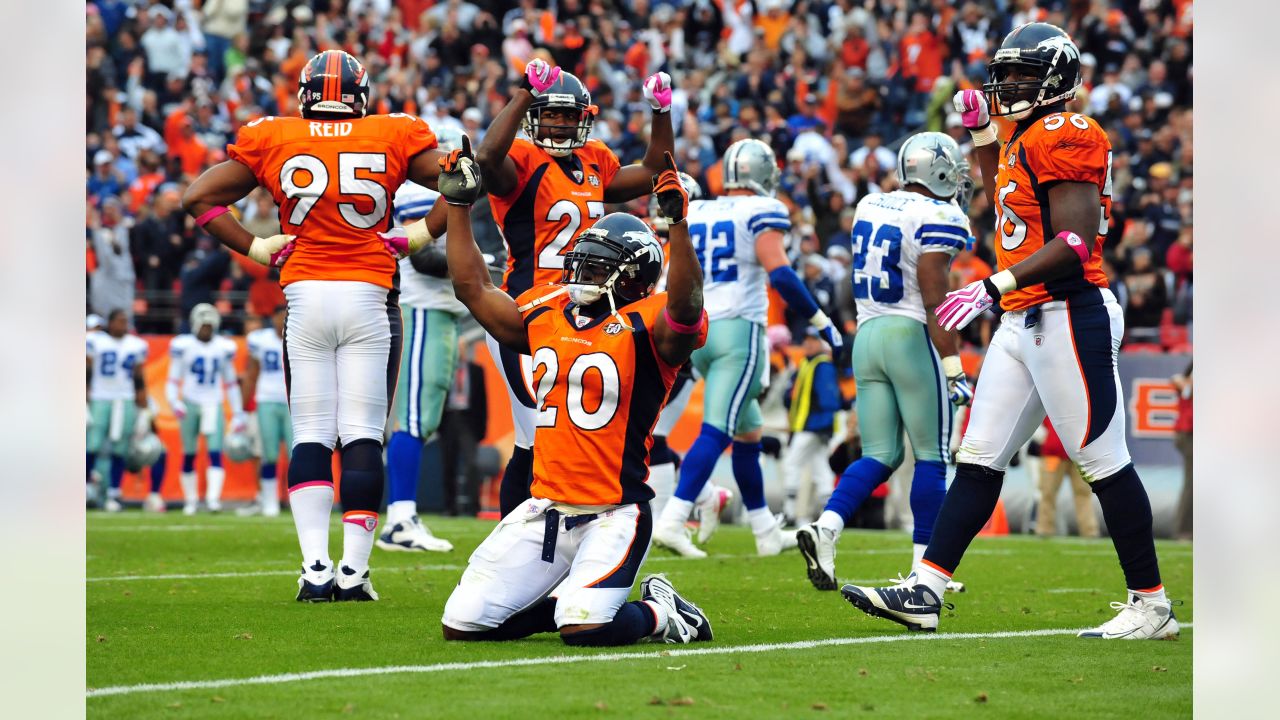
603,365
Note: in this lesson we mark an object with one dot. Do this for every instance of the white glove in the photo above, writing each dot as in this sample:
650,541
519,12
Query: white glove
958,389
657,91
961,306
272,251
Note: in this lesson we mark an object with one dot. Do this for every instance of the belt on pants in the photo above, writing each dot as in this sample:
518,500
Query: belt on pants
552,529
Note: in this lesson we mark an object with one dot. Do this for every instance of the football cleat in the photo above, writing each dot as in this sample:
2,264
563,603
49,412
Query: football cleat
353,587
154,503
686,622
112,505
909,603
818,546
190,507
675,536
709,512
412,536
1139,619
316,583
214,506
774,541
250,510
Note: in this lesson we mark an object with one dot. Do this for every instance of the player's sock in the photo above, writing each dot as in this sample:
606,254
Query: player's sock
400,511
311,500
516,480
214,477
761,520
662,474
267,488
966,508
190,485
931,576
746,470
116,473
404,452
700,461
917,554
541,618
856,484
634,621
361,490
676,512
928,488
1127,512
157,472
831,520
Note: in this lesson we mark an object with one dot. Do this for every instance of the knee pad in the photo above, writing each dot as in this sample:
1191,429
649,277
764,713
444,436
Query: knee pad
310,462
466,609
188,463
362,476
215,458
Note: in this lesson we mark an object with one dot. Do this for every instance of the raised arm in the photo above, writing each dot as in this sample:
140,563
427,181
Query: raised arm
493,309
498,169
207,199
972,106
677,337
635,181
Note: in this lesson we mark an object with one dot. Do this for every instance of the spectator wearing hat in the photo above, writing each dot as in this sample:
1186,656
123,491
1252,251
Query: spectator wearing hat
168,50
105,181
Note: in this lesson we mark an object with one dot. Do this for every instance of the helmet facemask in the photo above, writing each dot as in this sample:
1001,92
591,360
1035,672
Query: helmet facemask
532,125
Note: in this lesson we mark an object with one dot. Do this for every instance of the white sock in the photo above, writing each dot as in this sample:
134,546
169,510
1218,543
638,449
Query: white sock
917,554
267,493
400,511
190,487
704,494
831,520
660,613
662,479
358,531
311,506
1158,594
214,477
762,520
932,578
677,511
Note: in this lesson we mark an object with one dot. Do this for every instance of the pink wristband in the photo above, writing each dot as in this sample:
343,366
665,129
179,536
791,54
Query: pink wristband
212,213
1075,243
681,328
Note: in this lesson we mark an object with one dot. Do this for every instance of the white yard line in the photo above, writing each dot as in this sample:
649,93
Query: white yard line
562,660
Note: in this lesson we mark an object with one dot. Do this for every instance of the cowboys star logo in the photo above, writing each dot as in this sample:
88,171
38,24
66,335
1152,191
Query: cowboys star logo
613,328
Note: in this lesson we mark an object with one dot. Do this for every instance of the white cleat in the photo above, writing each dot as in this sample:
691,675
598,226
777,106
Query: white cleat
953,586
686,622
214,506
818,546
709,512
675,536
412,536
112,505
252,509
190,507
1138,619
154,503
774,541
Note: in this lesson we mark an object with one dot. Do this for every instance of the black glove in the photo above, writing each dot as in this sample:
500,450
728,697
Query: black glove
459,181
673,199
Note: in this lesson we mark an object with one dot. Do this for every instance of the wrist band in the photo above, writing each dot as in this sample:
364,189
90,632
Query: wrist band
1075,243
1003,282
985,136
681,327
210,214
952,367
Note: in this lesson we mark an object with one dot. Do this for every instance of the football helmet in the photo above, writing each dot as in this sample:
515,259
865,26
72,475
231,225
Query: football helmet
142,452
751,165
333,84
205,314
964,195
1042,51
618,257
238,446
567,92
656,218
448,138
931,159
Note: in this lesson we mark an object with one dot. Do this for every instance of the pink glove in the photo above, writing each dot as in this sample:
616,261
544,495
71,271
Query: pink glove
278,258
396,242
972,106
963,305
538,76
657,90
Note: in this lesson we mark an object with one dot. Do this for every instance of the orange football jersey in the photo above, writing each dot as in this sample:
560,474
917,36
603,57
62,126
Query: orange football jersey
599,388
1058,147
552,202
334,181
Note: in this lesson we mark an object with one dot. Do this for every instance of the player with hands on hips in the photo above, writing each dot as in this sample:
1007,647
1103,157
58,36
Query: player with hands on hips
544,189
606,349
1056,350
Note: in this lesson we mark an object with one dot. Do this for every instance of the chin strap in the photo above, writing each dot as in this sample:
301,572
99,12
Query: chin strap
549,296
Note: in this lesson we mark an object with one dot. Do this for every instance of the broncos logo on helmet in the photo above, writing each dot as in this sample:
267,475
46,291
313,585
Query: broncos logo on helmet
1047,55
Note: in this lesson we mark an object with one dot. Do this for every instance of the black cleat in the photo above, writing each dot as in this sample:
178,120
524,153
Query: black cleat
912,605
352,588
316,583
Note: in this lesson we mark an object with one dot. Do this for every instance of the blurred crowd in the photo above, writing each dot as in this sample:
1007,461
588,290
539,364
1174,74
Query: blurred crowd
833,87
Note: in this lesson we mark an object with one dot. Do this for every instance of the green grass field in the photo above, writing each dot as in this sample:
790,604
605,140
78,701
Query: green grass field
173,600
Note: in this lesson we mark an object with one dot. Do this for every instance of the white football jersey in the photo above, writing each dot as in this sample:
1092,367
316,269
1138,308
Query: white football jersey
268,349
418,290
890,232
202,369
724,232
113,364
